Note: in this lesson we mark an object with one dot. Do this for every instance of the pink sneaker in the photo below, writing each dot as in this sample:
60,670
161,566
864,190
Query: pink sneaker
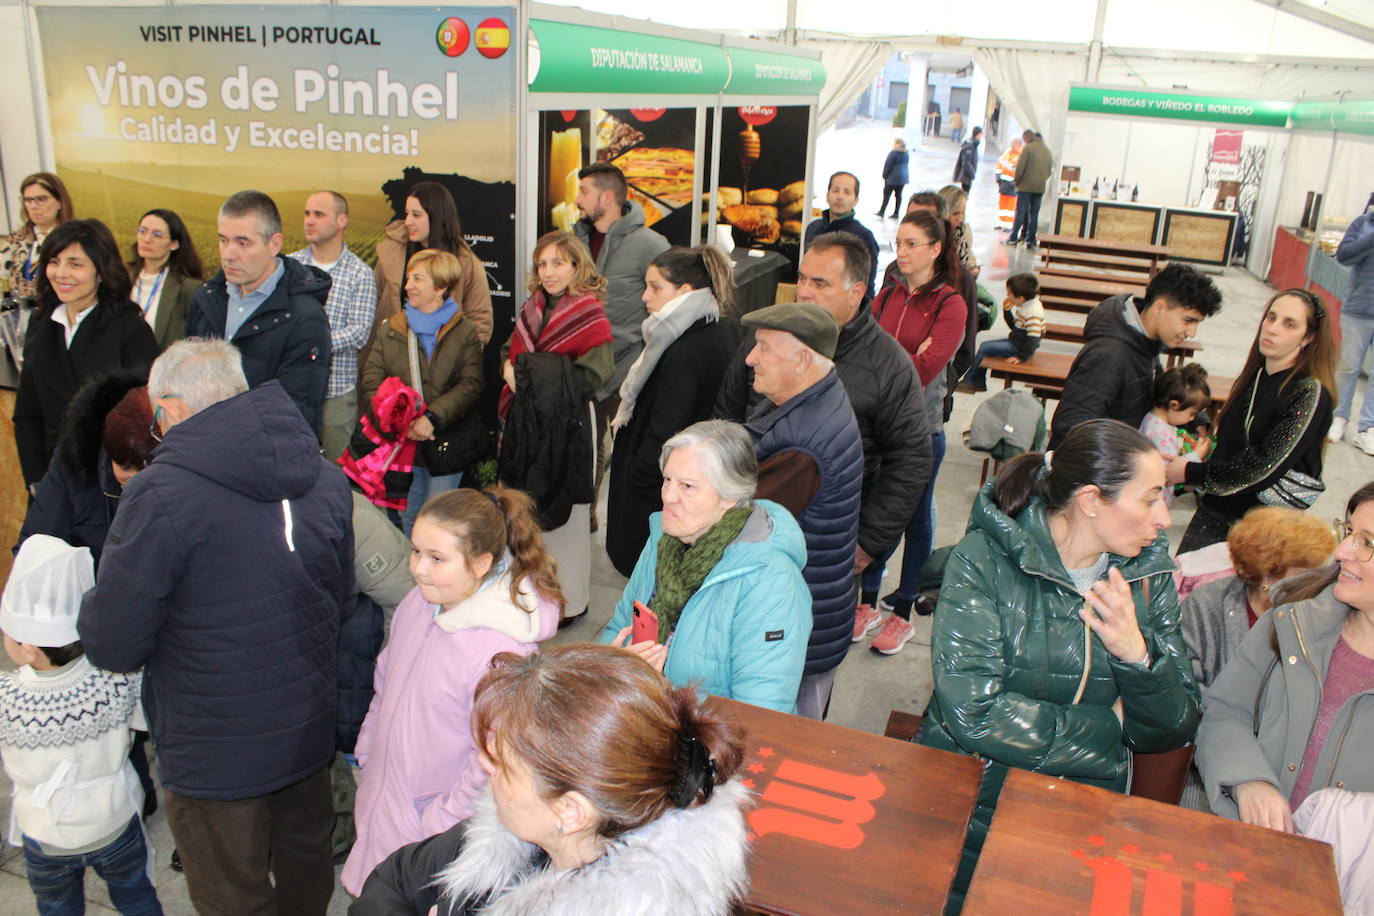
894,634
865,619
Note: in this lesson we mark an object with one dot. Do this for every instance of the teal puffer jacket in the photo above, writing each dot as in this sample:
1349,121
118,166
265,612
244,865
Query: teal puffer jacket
1008,653
743,635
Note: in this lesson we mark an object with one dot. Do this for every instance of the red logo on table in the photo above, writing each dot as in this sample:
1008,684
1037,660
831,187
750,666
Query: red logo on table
647,114
1164,883
758,115
812,803
492,38
452,36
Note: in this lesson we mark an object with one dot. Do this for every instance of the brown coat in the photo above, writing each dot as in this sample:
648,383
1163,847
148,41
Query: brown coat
451,379
473,295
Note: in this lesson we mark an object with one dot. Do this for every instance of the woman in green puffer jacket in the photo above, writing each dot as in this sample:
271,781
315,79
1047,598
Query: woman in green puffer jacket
1056,645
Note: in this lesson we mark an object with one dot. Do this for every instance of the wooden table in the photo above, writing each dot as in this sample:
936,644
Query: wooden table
1074,333
847,821
1080,295
1060,847
1046,372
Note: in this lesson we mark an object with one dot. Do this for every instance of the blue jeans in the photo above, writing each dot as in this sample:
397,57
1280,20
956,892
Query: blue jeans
57,881
920,535
1027,220
422,487
976,375
1357,333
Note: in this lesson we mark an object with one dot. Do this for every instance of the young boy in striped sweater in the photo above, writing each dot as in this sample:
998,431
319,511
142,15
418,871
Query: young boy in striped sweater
1025,315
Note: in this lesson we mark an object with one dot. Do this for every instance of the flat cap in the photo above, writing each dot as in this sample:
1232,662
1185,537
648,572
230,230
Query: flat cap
810,324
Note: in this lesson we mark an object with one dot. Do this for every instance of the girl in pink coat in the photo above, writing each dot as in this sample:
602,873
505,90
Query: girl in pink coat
483,585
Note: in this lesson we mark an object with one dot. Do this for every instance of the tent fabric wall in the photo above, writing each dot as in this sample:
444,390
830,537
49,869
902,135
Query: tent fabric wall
850,68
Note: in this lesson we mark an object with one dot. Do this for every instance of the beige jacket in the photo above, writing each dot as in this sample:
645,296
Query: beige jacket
473,295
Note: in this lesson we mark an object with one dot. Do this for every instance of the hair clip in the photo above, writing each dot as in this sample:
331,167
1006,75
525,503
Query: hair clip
695,772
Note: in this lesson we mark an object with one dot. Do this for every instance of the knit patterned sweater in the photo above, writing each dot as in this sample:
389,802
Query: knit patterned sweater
65,737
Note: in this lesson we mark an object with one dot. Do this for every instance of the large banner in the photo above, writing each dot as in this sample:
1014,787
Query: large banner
179,107
654,147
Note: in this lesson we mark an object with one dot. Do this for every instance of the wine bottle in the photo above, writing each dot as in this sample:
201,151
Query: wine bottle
1135,194
1094,189
1115,185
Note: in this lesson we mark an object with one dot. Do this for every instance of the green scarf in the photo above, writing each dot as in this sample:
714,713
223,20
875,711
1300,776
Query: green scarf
682,567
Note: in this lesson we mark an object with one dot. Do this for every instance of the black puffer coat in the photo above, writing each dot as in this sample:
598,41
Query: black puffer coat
893,423
224,577
546,444
78,496
679,392
1114,373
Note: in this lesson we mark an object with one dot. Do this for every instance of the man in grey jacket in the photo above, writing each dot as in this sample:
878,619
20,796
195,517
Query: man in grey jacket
613,230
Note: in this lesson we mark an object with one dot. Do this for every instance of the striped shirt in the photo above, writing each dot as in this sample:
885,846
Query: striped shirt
351,305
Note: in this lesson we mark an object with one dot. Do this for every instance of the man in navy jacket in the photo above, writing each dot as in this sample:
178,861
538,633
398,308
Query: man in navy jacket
270,307
224,577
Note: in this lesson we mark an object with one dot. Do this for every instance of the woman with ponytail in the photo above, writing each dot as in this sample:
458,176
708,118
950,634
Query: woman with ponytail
1056,644
611,792
484,585
670,386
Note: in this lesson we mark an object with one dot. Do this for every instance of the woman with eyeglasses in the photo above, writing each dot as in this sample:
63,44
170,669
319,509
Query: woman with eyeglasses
45,203
1287,735
922,309
165,271
85,326
1271,430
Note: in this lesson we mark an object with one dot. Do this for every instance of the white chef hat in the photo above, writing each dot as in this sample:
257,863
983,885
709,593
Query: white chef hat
44,592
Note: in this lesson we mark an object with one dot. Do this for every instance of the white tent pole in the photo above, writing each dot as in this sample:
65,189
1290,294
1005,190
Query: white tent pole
791,22
35,85
1315,246
1095,46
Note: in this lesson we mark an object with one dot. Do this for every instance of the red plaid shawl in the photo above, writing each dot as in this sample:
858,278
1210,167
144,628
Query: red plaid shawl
578,324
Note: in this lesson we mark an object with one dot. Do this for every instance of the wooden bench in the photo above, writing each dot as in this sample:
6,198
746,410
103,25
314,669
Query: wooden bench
1100,255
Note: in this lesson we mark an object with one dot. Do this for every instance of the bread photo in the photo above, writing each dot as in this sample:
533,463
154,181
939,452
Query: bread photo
765,196
729,197
790,211
792,193
792,228
750,217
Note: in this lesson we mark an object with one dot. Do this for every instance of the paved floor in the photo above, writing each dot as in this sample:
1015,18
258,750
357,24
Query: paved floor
868,684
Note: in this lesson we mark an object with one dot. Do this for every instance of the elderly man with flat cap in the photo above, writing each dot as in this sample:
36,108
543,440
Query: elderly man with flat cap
811,460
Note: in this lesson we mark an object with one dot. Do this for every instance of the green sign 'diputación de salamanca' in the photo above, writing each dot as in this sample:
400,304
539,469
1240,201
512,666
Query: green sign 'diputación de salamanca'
580,58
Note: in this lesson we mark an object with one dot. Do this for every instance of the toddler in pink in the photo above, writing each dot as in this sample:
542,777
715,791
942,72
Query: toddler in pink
1178,395
484,585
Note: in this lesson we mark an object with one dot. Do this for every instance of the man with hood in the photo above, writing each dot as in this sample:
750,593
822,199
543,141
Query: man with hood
1112,376
224,577
270,307
966,166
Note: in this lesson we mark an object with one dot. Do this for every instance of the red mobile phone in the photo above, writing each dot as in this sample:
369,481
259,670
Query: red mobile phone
645,627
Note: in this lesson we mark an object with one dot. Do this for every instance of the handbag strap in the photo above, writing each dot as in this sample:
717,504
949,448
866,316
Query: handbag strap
413,350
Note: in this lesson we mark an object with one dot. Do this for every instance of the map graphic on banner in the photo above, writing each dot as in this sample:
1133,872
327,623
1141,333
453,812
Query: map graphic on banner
179,107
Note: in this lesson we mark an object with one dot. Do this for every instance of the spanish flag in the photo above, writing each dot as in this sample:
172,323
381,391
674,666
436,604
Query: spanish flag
492,38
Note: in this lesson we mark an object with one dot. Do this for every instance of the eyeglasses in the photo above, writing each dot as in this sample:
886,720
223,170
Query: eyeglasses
153,430
37,199
1364,546
155,233
908,245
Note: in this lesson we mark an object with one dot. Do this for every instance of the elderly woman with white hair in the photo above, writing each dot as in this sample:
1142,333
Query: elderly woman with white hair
721,576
